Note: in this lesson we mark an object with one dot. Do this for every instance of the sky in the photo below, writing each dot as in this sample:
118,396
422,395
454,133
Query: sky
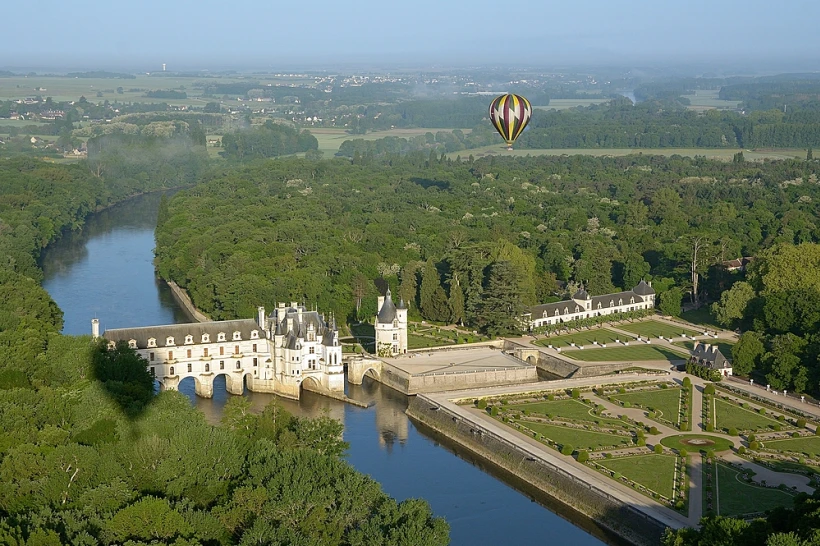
187,34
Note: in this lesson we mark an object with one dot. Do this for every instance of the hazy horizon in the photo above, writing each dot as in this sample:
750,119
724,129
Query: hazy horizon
250,34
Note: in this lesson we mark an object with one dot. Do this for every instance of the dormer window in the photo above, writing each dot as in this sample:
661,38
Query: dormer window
545,314
112,345
620,302
237,336
631,300
556,312
220,336
255,334
189,339
206,338
169,340
577,308
132,343
599,305
152,342
566,311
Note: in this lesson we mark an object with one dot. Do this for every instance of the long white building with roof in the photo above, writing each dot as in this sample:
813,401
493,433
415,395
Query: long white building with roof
279,353
583,305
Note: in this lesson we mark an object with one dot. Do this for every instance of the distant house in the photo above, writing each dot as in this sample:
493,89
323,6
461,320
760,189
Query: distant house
583,305
738,264
710,356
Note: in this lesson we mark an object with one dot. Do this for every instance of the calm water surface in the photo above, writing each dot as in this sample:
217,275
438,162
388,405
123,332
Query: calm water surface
106,271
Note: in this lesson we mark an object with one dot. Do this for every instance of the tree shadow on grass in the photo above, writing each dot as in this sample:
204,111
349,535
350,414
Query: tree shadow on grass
124,376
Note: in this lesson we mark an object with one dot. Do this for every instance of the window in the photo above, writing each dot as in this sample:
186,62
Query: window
254,347
221,364
599,305
255,335
220,336
611,303
236,349
151,357
170,355
112,345
556,312
153,372
631,300
310,350
566,311
236,336
152,342
207,366
190,368
206,338
238,364
221,351
620,302
169,340
577,308
172,370
189,339
205,351
255,361
395,337
189,354
132,343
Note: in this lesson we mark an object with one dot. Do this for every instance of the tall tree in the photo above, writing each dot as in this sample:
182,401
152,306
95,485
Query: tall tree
503,301
408,289
732,305
670,303
432,298
456,300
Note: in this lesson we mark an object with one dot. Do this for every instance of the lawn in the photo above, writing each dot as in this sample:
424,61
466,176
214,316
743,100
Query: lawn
421,342
654,328
601,335
725,347
804,444
568,409
697,442
702,315
728,415
635,352
655,472
736,497
578,438
665,402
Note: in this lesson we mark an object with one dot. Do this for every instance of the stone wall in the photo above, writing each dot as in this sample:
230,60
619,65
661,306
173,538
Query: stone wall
452,381
527,464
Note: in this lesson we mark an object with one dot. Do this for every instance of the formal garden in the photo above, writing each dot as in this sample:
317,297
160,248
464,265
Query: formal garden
639,435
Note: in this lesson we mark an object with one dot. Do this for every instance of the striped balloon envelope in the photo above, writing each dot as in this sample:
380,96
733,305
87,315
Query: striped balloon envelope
510,114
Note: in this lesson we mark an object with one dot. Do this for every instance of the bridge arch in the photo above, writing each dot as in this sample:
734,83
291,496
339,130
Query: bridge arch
310,383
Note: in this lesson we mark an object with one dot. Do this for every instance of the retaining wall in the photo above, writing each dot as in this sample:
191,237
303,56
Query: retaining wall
606,509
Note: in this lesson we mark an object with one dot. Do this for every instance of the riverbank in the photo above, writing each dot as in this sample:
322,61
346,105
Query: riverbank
184,300
628,516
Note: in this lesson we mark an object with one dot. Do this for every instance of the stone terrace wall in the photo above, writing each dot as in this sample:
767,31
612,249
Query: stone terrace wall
527,464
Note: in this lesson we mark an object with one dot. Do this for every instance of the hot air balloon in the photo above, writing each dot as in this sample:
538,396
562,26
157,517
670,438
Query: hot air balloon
510,114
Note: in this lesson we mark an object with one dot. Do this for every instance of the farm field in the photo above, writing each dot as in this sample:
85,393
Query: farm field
735,497
631,353
666,402
724,154
564,104
654,328
578,438
708,100
331,138
728,415
601,335
655,472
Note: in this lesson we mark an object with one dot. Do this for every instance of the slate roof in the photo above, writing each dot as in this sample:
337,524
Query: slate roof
180,331
387,314
643,289
279,323
710,355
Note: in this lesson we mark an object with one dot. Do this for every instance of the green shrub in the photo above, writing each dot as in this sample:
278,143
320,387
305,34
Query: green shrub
709,389
751,438
801,422
494,411
504,401
658,449
781,418
627,404
741,450
754,445
607,455
651,415
761,411
683,452
482,404
550,397
795,435
576,394
641,442
776,428
654,430
566,449
817,431
679,505
621,390
732,431
640,433
687,382
583,456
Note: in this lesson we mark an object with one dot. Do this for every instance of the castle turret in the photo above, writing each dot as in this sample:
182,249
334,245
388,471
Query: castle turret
95,328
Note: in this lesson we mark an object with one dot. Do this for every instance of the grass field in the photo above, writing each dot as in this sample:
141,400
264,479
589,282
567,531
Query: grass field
421,342
330,138
725,347
714,443
654,328
634,352
579,439
655,472
729,415
724,154
735,497
569,409
666,402
708,100
701,316
601,335
805,444
563,104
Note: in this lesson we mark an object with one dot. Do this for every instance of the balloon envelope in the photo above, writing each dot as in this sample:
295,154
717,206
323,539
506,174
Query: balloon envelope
510,114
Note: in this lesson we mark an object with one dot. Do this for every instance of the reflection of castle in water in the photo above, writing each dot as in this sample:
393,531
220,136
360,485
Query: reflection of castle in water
391,422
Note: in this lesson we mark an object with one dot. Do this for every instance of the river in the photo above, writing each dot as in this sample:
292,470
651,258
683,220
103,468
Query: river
106,271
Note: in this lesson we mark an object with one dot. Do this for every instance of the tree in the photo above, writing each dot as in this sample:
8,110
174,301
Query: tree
408,288
732,305
502,305
746,354
670,302
432,298
456,300
809,155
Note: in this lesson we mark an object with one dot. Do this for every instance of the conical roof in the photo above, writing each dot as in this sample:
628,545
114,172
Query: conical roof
387,313
643,289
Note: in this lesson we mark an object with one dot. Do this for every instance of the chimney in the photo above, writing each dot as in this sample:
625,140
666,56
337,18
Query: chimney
379,304
95,328
261,319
